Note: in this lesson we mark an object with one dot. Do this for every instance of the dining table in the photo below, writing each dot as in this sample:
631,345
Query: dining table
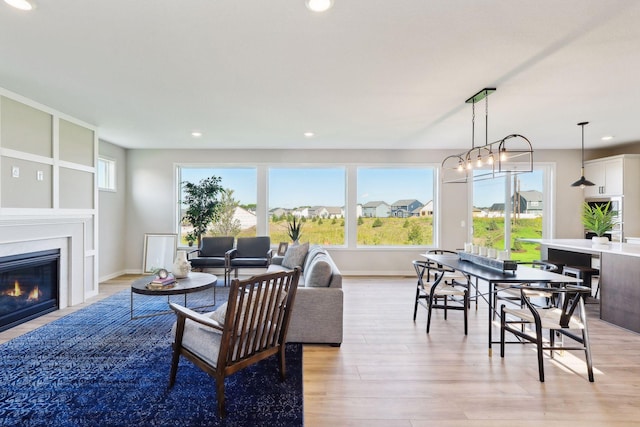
521,275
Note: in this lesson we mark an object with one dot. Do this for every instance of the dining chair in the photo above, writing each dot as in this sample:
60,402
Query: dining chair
565,316
505,291
432,284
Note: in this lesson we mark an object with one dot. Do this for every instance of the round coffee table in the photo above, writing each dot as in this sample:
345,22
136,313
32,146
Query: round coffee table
196,282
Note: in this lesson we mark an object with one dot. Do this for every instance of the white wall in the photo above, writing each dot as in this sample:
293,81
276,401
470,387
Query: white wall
151,201
111,216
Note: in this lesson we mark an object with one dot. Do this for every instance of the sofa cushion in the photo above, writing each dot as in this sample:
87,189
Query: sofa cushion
314,251
295,256
319,272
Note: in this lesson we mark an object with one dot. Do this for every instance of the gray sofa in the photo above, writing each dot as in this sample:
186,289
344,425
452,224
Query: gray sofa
318,307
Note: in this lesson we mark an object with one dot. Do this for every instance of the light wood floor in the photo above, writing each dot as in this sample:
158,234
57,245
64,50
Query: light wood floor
389,372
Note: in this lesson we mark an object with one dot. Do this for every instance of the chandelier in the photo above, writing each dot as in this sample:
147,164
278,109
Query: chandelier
511,154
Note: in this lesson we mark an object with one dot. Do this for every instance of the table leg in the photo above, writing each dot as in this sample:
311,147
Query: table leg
490,303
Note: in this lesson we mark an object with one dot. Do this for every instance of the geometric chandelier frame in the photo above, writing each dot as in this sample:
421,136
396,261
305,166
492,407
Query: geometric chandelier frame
511,154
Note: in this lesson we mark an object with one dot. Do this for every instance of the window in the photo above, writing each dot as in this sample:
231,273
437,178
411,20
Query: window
316,196
527,213
395,206
106,174
238,215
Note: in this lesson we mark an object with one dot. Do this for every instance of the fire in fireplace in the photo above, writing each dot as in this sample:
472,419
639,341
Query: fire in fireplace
28,286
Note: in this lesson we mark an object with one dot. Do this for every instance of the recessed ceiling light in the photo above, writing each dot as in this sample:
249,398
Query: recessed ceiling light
196,134
309,134
318,5
607,138
21,4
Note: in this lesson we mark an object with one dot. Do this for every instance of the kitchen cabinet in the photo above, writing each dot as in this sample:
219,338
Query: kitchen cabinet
607,175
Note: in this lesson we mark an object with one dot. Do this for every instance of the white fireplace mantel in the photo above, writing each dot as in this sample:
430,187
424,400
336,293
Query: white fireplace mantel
69,234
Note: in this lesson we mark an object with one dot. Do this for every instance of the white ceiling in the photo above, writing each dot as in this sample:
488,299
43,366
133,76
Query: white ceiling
366,74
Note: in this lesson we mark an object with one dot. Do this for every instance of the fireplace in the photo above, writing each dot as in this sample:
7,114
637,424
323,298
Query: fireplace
28,286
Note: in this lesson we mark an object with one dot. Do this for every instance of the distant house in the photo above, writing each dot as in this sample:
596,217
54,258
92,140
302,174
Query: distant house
245,218
530,202
497,207
334,212
426,210
404,208
377,209
318,212
301,212
277,212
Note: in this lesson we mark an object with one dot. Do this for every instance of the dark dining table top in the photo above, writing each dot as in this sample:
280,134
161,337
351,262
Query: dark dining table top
522,274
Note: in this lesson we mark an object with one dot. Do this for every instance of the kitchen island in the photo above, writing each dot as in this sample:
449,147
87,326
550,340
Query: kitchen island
619,274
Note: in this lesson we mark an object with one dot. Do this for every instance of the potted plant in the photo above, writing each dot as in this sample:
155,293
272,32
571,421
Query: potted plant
203,206
599,219
190,238
294,229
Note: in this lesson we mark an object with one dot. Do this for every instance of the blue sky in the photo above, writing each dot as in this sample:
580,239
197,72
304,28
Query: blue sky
293,187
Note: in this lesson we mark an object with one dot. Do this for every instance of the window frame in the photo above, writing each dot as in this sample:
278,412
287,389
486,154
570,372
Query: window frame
434,168
111,174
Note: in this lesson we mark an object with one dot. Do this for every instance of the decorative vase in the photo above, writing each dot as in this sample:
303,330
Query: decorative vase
181,266
600,240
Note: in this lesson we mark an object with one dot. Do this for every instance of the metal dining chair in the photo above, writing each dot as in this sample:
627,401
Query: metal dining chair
432,286
565,316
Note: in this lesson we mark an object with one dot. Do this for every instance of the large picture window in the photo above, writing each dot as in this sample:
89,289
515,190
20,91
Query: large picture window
395,206
238,210
526,213
314,196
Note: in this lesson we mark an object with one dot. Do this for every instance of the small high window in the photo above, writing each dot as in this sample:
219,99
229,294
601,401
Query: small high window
106,174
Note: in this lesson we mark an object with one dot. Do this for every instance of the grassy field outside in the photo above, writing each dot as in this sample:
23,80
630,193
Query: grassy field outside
414,231
490,232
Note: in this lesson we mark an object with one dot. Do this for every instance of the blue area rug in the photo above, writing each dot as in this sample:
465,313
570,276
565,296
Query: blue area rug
96,367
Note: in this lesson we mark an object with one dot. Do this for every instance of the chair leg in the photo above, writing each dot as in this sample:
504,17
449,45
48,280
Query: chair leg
174,365
502,326
466,311
539,351
415,306
220,393
446,298
429,313
585,341
282,362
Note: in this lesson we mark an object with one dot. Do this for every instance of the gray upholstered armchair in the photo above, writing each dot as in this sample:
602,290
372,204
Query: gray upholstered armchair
250,252
211,254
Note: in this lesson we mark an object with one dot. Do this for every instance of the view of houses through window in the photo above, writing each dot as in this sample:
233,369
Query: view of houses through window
396,206
525,218
315,197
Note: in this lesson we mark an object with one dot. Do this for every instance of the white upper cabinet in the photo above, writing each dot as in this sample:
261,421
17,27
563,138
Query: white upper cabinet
608,176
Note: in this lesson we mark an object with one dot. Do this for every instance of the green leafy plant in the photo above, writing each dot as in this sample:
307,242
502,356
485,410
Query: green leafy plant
294,229
202,202
598,218
190,238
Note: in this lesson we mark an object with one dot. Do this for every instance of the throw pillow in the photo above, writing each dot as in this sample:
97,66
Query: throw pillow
319,273
219,314
295,255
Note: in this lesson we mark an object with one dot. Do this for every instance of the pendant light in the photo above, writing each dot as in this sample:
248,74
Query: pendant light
582,182
512,154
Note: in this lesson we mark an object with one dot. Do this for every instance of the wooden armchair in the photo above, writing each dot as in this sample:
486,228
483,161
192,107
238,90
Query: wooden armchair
252,327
